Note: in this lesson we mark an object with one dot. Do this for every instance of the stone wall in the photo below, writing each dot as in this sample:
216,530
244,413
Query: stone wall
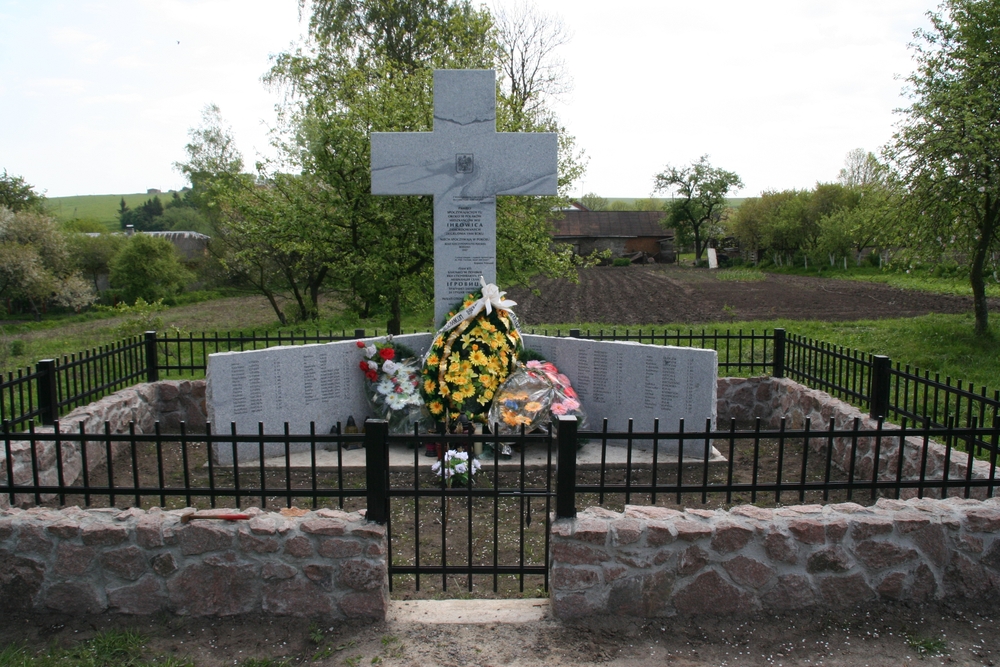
326,563
169,402
772,399
654,561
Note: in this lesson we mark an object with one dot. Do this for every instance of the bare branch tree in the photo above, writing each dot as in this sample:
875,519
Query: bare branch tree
530,73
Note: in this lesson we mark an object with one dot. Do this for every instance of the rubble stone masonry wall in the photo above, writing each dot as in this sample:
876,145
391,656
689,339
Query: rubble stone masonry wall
772,399
326,563
167,402
654,561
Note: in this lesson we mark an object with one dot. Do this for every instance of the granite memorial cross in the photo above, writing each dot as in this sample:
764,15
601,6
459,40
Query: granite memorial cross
465,163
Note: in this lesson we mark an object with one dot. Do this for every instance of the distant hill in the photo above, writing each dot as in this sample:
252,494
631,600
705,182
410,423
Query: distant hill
103,208
733,202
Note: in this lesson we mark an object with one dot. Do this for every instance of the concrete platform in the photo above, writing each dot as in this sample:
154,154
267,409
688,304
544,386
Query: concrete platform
401,459
466,612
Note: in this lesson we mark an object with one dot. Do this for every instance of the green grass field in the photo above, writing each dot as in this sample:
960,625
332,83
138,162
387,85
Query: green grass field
102,208
941,344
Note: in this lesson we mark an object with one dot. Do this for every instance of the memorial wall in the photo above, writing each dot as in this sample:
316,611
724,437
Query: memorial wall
322,385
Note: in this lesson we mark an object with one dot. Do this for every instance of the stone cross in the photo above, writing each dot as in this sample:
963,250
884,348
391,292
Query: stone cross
465,163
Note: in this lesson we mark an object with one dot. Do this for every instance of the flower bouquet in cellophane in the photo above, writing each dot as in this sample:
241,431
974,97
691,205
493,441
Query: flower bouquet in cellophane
530,397
470,357
392,384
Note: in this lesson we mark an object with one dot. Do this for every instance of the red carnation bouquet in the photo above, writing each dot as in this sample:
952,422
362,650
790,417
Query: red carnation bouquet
392,384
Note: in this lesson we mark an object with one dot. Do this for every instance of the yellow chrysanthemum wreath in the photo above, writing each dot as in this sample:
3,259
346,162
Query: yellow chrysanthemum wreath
466,365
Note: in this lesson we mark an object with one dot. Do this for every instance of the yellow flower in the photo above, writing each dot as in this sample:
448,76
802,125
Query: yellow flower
455,358
493,366
478,358
509,417
487,326
533,406
488,394
438,342
444,390
468,338
429,386
433,360
435,407
488,381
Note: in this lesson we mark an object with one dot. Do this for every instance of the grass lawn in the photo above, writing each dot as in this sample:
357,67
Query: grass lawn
103,208
937,343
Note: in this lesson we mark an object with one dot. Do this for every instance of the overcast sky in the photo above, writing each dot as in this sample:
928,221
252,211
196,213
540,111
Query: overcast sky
97,96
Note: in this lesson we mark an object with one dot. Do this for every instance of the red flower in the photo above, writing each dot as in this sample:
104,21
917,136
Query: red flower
363,365
371,375
387,353
360,343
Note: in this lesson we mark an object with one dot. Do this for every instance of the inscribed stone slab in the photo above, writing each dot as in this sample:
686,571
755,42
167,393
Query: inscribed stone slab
624,380
322,384
298,384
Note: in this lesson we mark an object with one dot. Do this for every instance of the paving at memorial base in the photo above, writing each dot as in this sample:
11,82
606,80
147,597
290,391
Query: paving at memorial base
874,635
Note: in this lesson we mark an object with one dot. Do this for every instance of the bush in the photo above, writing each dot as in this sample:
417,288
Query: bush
148,267
621,261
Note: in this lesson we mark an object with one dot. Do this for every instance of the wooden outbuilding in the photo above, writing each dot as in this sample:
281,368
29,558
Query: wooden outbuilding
621,232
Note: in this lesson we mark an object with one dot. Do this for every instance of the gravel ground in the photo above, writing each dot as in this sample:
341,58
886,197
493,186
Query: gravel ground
874,636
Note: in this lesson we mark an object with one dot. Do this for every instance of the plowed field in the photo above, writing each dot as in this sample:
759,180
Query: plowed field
675,295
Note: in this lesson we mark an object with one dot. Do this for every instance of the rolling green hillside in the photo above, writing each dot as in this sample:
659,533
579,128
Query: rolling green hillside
734,202
103,208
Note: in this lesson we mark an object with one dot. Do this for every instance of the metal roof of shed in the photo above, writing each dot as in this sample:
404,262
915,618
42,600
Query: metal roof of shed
610,224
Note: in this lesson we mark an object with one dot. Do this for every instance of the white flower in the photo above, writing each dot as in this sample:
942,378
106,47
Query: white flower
436,468
461,456
460,468
390,367
396,401
476,466
385,387
372,366
371,350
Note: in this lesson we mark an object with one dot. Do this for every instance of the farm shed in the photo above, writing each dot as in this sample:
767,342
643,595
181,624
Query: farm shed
621,232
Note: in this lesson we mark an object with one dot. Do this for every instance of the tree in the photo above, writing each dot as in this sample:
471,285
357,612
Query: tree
594,202
17,195
92,255
530,73
701,191
861,170
148,267
35,265
369,67
947,149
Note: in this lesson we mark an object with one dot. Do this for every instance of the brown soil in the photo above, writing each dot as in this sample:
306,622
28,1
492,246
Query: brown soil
661,294
874,635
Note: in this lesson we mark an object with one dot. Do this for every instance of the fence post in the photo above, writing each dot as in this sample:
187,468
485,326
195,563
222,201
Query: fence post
779,354
377,469
574,333
878,402
566,467
48,395
152,360
359,333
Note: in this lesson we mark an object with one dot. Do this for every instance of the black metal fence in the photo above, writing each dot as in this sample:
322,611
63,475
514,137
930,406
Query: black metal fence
494,531
56,386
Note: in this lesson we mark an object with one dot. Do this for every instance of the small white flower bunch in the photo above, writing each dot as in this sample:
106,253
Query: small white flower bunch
456,467
392,384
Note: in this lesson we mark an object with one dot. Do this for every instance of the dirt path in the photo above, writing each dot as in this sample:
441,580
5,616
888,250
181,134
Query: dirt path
876,636
675,295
